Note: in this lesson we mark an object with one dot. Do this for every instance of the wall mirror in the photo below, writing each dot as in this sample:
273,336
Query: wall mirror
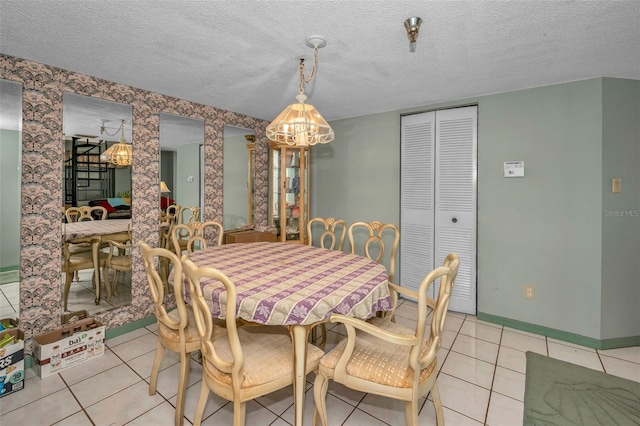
10,178
181,163
239,174
92,178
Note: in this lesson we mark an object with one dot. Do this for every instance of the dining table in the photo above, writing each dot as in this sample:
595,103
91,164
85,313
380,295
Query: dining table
294,285
96,232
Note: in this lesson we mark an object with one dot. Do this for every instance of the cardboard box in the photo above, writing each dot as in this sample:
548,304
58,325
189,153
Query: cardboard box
12,363
67,347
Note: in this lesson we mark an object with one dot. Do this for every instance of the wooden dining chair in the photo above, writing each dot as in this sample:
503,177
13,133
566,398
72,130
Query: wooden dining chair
384,358
212,232
189,214
246,362
181,233
176,328
119,260
331,228
74,261
373,245
79,214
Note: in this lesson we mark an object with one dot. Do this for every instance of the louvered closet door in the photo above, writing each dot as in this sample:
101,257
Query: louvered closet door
438,199
417,198
456,199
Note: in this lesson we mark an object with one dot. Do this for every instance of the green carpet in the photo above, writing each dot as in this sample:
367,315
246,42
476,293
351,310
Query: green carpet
560,393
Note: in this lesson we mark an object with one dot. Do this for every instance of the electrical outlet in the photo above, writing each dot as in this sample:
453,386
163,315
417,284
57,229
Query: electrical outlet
529,292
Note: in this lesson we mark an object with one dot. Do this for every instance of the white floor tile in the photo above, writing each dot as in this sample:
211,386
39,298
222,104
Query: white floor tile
628,354
504,411
621,368
481,331
480,349
123,406
523,342
161,415
463,397
582,357
469,369
512,359
451,418
255,414
361,418
34,389
47,410
509,383
104,384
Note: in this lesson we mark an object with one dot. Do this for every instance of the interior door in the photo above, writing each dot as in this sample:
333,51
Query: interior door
439,198
456,199
417,198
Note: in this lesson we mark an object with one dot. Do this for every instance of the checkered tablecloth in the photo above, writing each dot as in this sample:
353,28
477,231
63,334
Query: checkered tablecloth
89,228
287,284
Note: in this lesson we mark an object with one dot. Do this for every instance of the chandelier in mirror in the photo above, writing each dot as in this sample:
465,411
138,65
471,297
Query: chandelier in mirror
120,153
300,124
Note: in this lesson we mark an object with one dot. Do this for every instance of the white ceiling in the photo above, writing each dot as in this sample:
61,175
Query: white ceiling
243,56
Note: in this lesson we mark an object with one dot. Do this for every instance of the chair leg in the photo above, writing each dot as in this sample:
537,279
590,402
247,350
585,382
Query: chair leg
202,401
185,359
116,277
67,285
411,411
155,369
437,402
320,387
239,413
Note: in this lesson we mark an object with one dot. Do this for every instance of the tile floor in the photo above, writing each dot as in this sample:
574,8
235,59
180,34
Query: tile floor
81,295
481,381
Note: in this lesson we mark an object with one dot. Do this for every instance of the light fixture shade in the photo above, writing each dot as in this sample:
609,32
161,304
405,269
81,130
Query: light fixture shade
164,188
301,125
120,154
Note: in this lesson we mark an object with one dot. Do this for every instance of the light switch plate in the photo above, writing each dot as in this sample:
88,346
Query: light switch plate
616,185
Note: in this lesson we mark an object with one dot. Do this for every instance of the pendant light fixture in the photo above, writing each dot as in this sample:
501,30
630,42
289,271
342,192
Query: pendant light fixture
119,154
412,25
300,124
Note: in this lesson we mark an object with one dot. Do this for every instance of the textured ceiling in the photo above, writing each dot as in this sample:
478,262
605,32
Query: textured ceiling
242,56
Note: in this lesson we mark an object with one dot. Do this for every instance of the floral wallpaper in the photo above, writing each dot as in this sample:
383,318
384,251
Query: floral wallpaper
43,87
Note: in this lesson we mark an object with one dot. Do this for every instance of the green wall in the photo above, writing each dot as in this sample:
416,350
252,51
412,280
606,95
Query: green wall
187,193
236,173
545,229
621,211
10,176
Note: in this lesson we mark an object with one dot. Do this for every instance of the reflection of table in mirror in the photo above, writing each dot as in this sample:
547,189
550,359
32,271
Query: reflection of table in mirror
96,232
297,286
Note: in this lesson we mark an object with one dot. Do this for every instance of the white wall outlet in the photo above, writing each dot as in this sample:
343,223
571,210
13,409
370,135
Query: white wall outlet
529,291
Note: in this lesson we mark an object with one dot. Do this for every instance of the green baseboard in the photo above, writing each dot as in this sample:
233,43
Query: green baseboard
565,336
10,268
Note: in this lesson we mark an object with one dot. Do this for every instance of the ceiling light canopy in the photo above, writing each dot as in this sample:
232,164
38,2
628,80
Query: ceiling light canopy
119,154
300,124
412,25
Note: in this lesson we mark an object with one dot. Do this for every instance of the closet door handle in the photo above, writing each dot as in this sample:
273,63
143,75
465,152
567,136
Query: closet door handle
454,220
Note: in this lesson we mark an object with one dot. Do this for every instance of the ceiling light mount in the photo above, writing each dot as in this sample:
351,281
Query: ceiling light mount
412,25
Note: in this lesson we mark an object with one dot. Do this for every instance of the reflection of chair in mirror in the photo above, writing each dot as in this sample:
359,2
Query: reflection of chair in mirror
119,260
181,234
245,362
176,329
387,359
79,214
328,238
189,214
78,261
374,242
212,232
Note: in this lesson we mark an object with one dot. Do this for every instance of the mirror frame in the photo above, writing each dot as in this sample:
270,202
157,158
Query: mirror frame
42,156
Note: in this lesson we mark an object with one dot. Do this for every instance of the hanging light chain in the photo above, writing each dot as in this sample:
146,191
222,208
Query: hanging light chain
304,80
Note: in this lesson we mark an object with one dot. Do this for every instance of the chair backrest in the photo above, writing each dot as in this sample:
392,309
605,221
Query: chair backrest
212,232
204,320
152,257
328,238
373,242
189,214
79,214
173,212
181,233
447,276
